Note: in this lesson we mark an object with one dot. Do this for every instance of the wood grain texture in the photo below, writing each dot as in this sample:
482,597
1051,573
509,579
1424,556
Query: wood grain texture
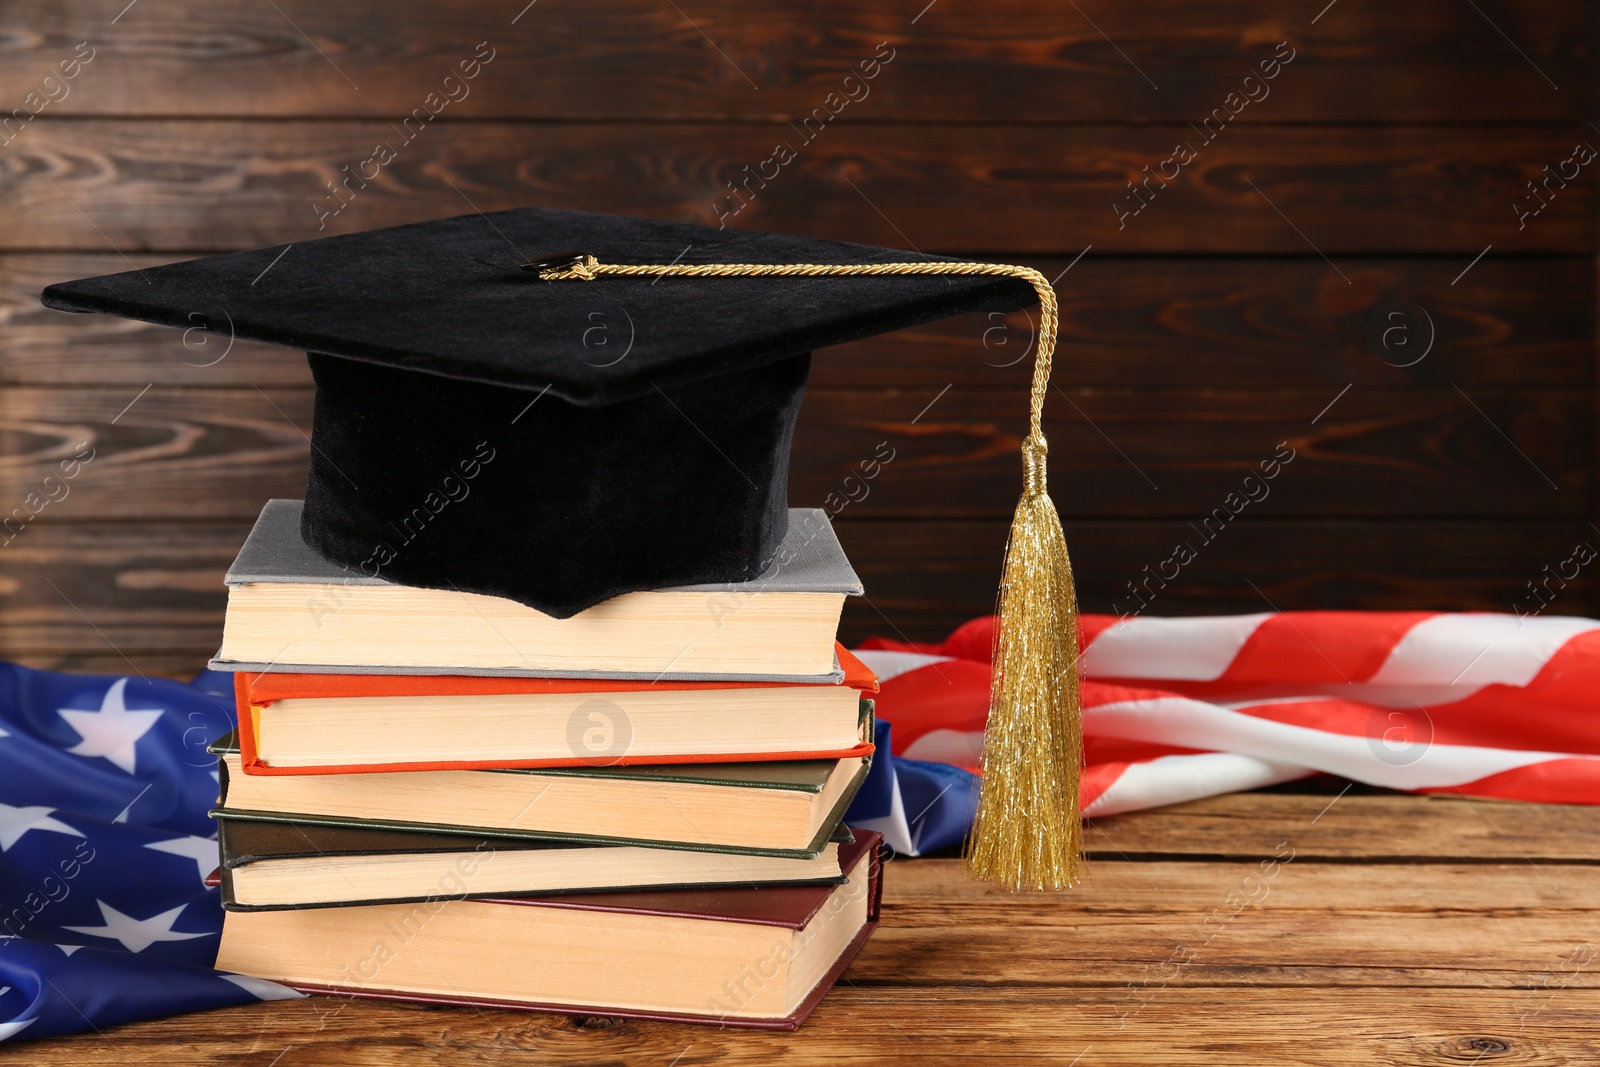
1129,919
1126,323
1171,453
1261,323
629,59
151,185
1394,828
170,452
925,578
218,453
116,597
39,346
1181,1027
1149,961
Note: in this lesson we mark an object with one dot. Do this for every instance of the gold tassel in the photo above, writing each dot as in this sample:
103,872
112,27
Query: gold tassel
1028,833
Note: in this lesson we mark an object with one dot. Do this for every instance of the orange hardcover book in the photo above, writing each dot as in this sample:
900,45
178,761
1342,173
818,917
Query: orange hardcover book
354,723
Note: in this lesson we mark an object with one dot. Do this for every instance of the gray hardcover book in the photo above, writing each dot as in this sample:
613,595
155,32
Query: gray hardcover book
810,560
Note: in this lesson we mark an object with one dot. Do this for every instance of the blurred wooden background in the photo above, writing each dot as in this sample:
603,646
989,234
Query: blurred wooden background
1244,306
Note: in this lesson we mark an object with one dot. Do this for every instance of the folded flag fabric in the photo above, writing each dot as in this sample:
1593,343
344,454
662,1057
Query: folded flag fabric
1176,709
104,844
917,805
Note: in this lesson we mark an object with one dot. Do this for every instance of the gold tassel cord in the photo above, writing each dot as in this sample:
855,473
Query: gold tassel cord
1027,833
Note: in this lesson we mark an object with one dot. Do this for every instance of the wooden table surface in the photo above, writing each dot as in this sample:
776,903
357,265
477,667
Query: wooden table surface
1261,928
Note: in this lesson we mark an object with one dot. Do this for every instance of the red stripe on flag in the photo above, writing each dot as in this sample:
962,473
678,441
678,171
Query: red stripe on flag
1560,781
1331,646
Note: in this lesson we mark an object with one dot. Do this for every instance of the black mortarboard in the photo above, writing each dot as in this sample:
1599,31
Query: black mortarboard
618,418
477,427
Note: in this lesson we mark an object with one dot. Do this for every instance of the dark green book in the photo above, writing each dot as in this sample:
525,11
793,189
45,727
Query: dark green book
783,808
269,865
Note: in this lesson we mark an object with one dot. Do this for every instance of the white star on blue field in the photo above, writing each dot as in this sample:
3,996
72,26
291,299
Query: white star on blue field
105,846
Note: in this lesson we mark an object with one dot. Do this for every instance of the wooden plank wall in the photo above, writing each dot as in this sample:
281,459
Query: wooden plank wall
1239,314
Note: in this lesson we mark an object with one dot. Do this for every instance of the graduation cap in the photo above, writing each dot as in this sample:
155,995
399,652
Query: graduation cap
561,427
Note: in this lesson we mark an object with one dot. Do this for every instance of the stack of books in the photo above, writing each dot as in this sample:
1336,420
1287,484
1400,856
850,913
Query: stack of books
443,796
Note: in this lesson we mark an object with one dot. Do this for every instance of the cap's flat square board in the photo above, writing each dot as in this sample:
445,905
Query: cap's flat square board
449,297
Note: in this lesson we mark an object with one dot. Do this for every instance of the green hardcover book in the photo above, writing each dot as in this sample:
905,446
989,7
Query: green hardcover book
782,808
271,865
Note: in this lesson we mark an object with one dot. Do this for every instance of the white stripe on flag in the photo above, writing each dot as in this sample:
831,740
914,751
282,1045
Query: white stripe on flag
888,665
1435,698
1473,651
1189,650
961,747
1184,723
1175,779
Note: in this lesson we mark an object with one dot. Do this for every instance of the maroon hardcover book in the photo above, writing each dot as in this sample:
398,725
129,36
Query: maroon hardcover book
789,908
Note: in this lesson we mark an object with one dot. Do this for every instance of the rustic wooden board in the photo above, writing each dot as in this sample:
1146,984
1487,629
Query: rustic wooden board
39,346
1404,829
1181,1027
159,184
1018,59
1237,919
1155,961
175,452
217,453
938,894
81,657
1148,453
924,578
96,595
110,597
1223,323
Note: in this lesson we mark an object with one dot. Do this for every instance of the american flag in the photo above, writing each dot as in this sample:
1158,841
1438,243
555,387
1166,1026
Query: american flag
1175,709
104,845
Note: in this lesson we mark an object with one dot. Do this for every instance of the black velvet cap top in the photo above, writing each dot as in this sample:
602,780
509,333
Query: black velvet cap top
556,442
